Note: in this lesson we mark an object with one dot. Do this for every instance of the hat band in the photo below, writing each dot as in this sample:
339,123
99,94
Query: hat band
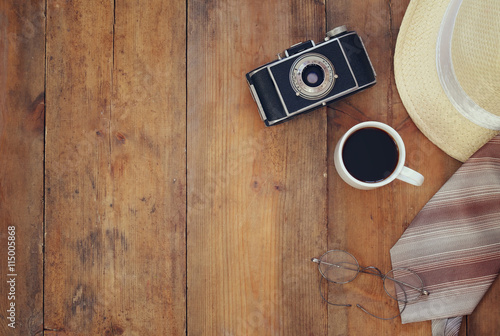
451,86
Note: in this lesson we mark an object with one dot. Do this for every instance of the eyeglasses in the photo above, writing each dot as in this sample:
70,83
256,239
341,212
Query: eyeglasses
341,267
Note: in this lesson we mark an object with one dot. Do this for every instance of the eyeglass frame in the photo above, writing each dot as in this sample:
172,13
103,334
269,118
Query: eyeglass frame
379,274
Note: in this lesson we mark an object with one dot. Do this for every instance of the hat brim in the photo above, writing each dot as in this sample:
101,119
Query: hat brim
419,86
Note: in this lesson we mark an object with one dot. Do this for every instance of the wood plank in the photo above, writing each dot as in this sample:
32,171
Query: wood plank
22,112
256,195
148,169
115,168
77,161
368,223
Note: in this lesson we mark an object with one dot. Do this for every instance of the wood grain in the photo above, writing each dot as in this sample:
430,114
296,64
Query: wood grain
115,168
22,112
484,320
256,195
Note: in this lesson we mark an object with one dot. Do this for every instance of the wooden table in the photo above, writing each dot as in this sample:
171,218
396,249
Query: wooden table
146,194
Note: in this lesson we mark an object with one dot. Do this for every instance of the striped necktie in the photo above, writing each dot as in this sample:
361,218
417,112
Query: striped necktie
454,243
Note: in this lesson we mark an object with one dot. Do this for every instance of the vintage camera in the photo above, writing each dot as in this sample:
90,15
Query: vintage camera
311,76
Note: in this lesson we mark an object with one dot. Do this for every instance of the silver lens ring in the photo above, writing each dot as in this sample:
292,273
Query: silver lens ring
301,87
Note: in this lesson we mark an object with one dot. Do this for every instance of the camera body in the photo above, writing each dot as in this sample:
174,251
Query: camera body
311,76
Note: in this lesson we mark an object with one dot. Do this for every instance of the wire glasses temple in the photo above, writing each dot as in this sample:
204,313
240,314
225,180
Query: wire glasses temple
380,275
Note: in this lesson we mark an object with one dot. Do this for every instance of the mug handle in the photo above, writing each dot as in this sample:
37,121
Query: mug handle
410,176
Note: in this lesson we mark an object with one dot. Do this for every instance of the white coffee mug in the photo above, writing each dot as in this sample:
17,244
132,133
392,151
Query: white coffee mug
400,172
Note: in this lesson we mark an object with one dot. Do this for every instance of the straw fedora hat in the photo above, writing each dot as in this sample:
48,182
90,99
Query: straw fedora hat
447,69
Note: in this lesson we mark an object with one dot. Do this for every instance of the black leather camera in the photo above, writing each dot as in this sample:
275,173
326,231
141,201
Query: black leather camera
310,76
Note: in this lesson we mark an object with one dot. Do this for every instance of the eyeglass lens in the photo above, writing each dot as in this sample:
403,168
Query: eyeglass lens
403,285
338,266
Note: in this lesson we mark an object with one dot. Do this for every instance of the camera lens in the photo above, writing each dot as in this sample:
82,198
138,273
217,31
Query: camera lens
313,75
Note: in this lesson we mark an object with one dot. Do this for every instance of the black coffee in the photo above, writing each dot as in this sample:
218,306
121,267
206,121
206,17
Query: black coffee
370,155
